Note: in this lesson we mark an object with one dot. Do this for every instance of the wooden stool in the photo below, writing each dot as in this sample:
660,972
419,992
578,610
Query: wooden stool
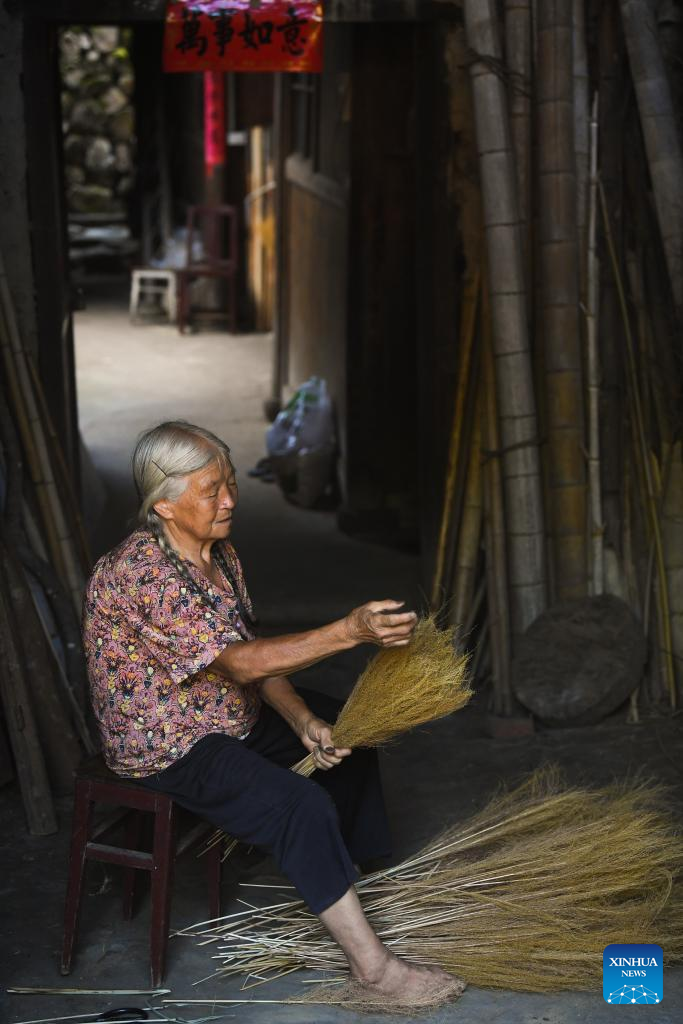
149,281
96,784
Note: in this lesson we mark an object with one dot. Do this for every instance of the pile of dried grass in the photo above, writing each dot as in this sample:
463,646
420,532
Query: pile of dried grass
401,688
525,895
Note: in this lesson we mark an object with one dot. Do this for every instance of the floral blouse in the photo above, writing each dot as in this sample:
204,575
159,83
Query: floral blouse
149,639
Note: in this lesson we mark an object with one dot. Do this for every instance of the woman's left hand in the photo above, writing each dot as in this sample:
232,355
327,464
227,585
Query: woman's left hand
316,736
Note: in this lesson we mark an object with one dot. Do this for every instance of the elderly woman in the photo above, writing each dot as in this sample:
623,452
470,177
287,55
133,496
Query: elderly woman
191,704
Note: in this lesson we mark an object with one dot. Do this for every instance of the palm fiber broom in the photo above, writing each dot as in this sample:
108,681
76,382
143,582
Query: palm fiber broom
524,895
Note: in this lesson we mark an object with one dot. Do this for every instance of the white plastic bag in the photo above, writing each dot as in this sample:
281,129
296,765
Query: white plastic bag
306,422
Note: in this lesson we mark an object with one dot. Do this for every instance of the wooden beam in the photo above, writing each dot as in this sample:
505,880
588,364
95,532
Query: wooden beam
112,12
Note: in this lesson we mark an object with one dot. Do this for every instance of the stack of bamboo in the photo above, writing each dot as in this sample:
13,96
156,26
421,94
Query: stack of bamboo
43,559
565,472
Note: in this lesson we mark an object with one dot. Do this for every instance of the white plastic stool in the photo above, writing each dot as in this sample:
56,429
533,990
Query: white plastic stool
150,281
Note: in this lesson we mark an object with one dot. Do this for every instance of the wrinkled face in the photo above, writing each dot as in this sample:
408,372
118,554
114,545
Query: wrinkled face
204,509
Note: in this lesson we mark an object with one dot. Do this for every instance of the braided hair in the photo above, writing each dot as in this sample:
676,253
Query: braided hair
163,459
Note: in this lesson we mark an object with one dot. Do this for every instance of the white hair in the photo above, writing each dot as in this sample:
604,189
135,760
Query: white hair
165,456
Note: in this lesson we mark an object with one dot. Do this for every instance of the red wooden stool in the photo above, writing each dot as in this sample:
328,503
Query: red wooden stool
96,784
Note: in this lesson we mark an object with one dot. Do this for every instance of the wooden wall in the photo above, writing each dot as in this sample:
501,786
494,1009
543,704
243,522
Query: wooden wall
317,257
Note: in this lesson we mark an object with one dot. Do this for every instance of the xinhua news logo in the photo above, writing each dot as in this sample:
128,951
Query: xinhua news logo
632,973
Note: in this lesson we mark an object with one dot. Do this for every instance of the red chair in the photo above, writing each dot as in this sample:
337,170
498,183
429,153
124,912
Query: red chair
215,228
96,784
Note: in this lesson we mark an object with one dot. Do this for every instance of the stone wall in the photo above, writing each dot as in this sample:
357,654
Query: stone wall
98,118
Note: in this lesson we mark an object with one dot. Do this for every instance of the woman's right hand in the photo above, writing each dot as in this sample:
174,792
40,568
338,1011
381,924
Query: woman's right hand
380,622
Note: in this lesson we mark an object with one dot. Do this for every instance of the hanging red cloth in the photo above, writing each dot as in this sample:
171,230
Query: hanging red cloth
214,120
232,35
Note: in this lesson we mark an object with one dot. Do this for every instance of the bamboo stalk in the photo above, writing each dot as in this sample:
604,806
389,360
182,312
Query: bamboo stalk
672,536
513,367
27,991
454,466
582,117
18,522
640,443
630,576
58,741
469,534
660,133
21,726
559,299
33,437
483,643
518,60
593,369
633,276
496,561
67,490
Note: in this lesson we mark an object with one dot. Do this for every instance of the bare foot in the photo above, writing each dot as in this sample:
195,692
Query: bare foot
407,984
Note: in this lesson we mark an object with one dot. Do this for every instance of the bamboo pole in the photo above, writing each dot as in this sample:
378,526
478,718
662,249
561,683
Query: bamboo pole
593,370
64,478
632,594
518,60
559,299
660,133
33,438
467,334
654,409
510,336
21,726
58,741
469,534
672,537
496,555
19,528
613,84
582,117
640,444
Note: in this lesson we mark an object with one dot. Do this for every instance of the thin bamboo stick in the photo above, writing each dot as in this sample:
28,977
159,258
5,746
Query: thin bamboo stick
640,443
597,528
496,555
469,534
28,991
672,535
454,465
630,576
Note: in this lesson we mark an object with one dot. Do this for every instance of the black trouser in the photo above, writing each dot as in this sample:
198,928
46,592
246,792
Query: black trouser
314,828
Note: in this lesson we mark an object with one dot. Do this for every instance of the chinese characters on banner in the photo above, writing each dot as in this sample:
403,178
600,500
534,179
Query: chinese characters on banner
231,35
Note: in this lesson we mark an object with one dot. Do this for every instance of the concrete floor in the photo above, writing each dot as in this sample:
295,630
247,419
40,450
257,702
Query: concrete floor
301,571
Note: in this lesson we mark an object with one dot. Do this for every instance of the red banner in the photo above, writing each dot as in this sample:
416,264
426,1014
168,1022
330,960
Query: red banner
234,35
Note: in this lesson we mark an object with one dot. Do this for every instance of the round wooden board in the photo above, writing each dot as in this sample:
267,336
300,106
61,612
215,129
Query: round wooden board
579,661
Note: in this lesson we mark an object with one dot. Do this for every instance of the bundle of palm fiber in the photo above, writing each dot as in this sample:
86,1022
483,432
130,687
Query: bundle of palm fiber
400,688
524,895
